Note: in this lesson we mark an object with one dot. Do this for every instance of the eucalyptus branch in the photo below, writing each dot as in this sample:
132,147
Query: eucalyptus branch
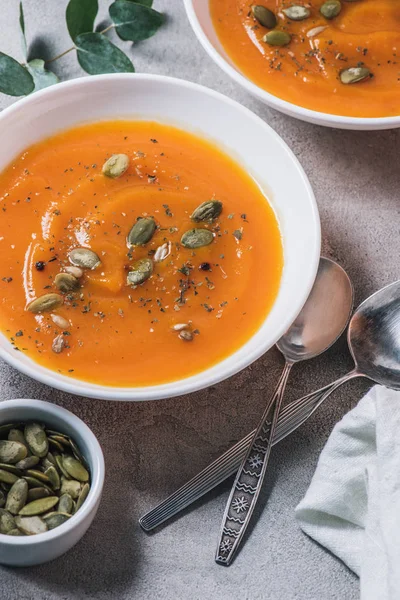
50,60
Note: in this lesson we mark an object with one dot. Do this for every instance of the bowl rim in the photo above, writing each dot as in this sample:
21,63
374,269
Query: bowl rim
187,385
288,108
97,476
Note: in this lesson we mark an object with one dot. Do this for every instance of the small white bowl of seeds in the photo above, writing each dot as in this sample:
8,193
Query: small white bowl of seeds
51,481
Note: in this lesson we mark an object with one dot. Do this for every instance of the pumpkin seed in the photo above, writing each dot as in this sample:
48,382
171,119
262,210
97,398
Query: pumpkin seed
39,475
7,477
66,504
277,38
71,487
38,507
28,463
37,492
196,238
140,271
354,75
45,303
330,9
15,532
53,477
61,439
297,13
264,16
2,499
75,271
142,232
85,258
17,497
66,283
11,469
31,525
36,439
49,460
77,453
74,468
207,211
116,165
4,429
35,483
61,466
7,522
56,445
16,435
55,519
82,496
185,335
58,344
11,452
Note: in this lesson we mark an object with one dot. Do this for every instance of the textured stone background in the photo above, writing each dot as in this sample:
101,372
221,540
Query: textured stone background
151,449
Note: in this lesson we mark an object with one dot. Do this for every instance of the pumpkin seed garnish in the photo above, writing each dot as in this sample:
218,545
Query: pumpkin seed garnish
207,211
17,496
316,31
74,468
37,492
84,258
185,335
45,303
60,322
55,519
31,525
180,326
115,166
66,283
7,522
354,75
277,38
65,504
330,9
58,344
11,452
139,272
264,16
297,13
197,238
36,439
142,232
71,487
74,271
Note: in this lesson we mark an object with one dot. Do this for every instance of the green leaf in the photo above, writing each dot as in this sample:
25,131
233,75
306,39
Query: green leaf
14,79
22,26
41,76
144,2
96,55
80,16
135,22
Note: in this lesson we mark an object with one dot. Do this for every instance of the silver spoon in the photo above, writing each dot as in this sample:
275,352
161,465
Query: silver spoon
319,324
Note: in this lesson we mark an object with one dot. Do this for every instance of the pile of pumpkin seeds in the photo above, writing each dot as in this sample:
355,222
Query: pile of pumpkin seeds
329,10
44,478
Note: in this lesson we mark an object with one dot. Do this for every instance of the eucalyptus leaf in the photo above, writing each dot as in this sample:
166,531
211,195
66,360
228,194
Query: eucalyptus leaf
14,78
80,16
144,2
22,26
41,76
133,21
96,55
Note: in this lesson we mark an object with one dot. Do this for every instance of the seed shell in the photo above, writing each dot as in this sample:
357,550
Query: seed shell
17,497
115,166
75,271
31,525
84,258
36,439
45,303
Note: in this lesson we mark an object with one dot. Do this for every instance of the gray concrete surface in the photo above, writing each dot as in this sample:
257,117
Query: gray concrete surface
151,449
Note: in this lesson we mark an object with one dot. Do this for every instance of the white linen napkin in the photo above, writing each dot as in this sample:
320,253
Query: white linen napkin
352,506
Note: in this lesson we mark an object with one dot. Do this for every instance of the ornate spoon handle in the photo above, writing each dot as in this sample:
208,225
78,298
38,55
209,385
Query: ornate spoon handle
250,477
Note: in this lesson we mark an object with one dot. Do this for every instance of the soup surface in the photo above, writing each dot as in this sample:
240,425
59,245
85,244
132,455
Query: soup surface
194,307
307,71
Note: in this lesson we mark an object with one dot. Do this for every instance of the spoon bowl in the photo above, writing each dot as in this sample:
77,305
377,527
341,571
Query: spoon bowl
374,337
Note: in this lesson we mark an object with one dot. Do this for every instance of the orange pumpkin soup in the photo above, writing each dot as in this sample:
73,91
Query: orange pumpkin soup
346,62
133,253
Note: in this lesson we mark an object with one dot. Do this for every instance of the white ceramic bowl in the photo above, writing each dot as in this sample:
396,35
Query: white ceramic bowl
201,22
30,550
245,136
